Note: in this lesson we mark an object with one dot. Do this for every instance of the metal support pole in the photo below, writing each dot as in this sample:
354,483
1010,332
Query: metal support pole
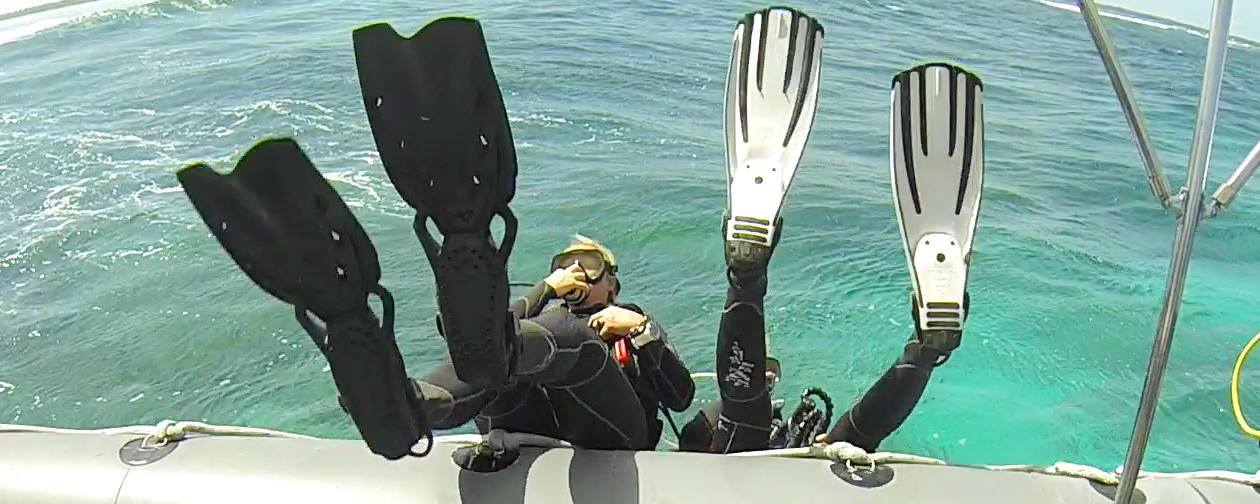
1200,150
1230,188
1154,168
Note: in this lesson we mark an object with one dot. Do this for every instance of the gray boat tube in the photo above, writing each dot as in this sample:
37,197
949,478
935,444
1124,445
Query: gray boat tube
128,466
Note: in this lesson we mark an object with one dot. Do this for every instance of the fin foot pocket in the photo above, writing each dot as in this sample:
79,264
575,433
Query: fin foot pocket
441,128
941,341
385,405
749,252
471,274
293,235
940,271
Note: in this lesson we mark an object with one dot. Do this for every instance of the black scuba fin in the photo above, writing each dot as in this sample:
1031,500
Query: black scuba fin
294,236
442,131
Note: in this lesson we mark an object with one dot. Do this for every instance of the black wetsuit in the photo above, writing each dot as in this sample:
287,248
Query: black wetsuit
567,384
743,417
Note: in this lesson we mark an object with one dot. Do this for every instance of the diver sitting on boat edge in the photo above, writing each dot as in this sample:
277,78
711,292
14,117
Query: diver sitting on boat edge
585,277
446,145
439,123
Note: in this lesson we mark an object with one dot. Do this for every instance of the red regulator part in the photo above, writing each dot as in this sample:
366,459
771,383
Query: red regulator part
621,352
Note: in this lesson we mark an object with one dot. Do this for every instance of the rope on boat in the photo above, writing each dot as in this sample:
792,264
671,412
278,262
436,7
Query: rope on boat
501,439
168,431
850,455
164,432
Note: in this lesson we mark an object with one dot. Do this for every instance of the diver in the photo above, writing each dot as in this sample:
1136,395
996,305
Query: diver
937,170
440,126
554,342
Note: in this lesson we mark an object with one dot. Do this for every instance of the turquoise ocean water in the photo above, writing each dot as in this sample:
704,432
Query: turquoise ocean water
117,307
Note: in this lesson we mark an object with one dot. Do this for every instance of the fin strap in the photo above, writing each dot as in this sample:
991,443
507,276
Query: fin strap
433,249
320,335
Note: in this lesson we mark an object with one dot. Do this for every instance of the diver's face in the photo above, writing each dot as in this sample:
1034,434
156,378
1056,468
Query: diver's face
602,292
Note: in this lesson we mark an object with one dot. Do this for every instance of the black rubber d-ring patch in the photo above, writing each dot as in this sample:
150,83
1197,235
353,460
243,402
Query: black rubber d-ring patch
141,451
862,476
1109,491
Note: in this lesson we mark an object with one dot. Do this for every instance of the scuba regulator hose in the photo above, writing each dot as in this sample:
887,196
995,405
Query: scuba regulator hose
806,423
1233,389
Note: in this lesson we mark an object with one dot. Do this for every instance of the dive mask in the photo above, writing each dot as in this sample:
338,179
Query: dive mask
774,372
594,260
591,262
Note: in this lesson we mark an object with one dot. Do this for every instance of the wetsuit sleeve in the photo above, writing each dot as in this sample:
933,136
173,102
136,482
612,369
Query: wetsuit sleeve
666,370
531,303
890,400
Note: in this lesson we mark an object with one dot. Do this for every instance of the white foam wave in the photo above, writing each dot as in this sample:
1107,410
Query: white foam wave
1138,20
537,118
355,178
1233,42
1064,6
1114,15
95,139
164,190
13,6
323,118
47,14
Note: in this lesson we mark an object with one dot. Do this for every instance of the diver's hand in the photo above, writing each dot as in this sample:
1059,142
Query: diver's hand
567,281
615,322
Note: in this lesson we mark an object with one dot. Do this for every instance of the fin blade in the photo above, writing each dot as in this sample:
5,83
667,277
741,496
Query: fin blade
936,158
276,216
438,119
772,95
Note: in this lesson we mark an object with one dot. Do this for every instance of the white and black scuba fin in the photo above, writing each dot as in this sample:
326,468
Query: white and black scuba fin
936,152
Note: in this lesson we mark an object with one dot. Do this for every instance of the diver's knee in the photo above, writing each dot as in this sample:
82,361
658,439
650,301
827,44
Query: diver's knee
437,403
696,434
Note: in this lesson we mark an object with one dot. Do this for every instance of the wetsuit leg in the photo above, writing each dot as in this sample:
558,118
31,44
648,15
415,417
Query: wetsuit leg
744,422
449,402
522,407
888,402
593,401
697,433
